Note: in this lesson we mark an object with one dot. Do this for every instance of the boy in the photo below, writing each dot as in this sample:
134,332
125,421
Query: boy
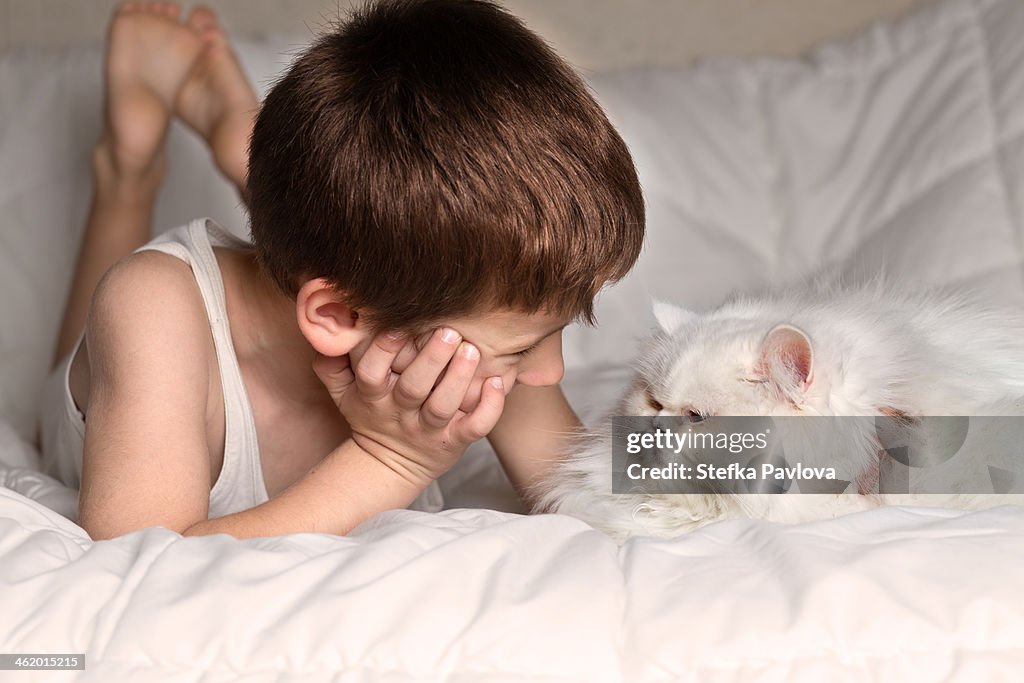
433,197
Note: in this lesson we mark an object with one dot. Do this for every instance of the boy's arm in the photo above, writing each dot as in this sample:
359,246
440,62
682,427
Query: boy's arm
531,433
147,459
341,491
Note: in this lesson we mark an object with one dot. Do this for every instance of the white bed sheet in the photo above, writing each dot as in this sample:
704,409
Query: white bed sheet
478,595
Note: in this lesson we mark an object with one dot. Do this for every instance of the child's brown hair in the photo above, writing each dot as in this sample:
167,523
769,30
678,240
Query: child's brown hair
435,158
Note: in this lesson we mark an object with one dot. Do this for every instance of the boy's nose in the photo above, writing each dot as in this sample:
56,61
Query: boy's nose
543,374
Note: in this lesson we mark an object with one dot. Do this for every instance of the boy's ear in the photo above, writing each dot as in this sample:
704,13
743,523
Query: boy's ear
670,318
330,326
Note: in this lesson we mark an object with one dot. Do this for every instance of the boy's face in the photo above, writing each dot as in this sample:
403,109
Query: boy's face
519,347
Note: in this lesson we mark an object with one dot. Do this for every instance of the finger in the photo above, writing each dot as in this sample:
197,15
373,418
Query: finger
415,383
479,423
444,401
405,357
373,370
335,372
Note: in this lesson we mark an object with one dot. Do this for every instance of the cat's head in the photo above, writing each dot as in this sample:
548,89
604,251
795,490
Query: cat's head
703,365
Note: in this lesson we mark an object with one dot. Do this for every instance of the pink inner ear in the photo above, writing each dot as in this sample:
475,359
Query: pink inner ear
788,349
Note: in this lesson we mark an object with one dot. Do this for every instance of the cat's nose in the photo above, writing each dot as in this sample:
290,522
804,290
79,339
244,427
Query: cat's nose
664,420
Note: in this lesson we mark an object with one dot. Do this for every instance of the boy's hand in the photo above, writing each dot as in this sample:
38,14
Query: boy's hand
404,420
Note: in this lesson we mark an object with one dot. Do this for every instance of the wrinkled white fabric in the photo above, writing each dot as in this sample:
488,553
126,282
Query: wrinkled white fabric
477,595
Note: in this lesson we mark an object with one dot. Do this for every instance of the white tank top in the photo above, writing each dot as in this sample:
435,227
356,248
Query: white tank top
240,485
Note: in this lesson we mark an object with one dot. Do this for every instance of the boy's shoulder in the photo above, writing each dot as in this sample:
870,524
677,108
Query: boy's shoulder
152,280
147,306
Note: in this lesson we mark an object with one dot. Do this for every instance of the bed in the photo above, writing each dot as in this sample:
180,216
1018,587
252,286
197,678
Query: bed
901,146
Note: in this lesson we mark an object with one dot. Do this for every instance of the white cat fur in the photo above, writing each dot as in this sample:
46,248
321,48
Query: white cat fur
876,347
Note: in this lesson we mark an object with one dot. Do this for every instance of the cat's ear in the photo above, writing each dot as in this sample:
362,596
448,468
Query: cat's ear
670,318
787,358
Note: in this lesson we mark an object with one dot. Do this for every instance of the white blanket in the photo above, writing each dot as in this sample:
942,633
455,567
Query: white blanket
901,147
477,595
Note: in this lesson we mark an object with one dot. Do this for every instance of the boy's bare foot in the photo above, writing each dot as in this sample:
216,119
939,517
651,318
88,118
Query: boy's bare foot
217,99
149,54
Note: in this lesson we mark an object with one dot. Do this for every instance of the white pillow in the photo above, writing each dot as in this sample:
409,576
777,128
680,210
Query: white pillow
902,147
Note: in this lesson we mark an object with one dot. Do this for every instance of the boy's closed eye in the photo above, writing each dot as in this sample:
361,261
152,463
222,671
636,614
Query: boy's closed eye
422,339
537,344
527,350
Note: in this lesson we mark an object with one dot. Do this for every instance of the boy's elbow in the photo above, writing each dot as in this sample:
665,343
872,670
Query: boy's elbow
199,528
100,529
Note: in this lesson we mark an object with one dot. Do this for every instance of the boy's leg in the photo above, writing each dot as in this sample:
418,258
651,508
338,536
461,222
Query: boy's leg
149,54
217,100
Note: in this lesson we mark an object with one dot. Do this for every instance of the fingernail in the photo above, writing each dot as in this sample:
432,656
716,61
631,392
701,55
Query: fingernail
395,335
496,383
470,351
449,335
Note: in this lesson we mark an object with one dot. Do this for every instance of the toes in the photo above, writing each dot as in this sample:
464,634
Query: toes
162,8
213,37
202,20
169,9
165,9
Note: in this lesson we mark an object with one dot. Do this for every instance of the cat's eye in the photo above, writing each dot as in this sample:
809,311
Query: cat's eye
693,416
653,402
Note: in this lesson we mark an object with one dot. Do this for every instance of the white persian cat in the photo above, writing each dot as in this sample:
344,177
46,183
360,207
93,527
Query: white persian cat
826,349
